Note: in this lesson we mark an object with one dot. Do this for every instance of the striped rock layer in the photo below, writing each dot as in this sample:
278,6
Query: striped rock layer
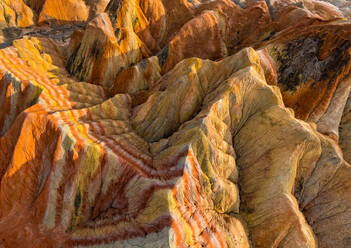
176,124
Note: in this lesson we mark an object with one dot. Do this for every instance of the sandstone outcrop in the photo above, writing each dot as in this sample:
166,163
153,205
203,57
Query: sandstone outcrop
63,11
15,13
150,123
97,56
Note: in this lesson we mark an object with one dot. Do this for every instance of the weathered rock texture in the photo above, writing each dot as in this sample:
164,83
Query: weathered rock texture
175,123
15,13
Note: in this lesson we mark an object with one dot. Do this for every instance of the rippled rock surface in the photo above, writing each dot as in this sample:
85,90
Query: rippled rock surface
175,123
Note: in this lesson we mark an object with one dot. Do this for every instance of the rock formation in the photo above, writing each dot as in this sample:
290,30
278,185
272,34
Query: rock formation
63,11
175,123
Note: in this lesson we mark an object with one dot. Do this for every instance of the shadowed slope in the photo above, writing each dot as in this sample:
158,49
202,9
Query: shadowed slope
159,146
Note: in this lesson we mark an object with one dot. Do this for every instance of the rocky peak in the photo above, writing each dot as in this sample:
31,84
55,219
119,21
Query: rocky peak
175,123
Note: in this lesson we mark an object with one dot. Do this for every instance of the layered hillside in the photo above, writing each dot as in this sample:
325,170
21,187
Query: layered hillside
175,123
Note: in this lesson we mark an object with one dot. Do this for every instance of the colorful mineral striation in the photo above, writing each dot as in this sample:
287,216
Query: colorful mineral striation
175,123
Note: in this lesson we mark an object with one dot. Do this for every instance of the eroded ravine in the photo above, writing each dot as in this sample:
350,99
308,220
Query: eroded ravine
155,124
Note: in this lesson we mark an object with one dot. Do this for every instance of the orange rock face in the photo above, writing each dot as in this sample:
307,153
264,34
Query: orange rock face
15,13
149,123
63,11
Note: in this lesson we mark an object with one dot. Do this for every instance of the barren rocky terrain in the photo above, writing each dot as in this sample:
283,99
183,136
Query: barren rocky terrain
175,123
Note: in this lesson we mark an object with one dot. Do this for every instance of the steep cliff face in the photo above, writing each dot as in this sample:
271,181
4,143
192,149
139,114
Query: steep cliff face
174,123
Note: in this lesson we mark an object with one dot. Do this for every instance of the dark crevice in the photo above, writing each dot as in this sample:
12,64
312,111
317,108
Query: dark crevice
111,9
121,36
77,202
271,9
95,51
163,55
70,63
301,62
